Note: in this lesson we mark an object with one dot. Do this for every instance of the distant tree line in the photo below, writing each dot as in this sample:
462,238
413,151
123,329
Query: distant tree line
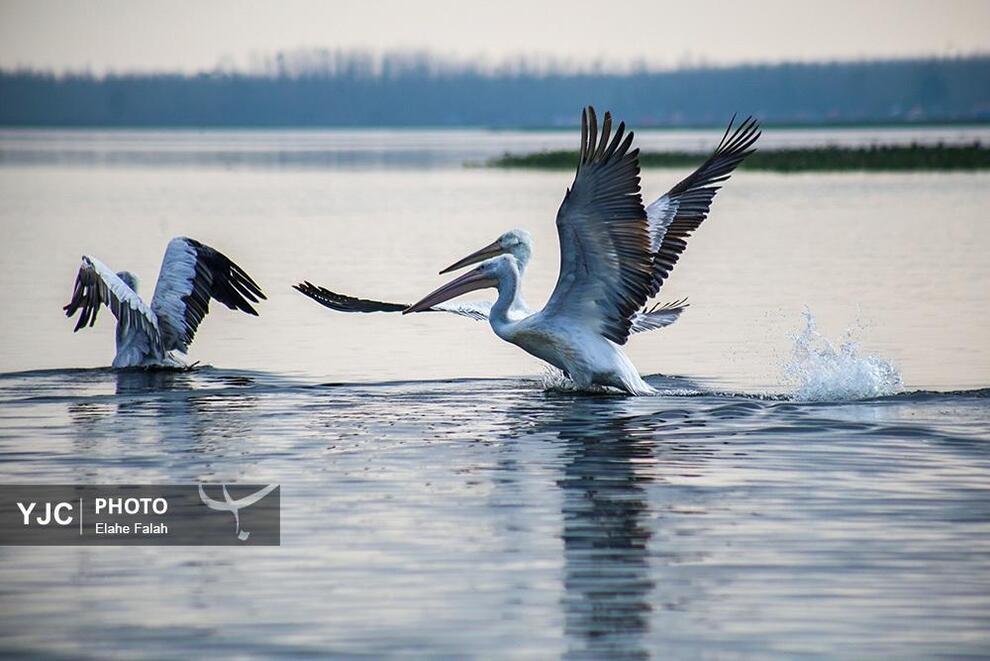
356,90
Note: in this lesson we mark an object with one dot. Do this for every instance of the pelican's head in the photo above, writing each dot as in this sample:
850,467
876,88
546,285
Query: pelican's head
487,274
129,279
517,243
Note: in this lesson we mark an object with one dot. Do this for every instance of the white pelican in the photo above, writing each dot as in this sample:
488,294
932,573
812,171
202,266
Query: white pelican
151,335
517,243
614,256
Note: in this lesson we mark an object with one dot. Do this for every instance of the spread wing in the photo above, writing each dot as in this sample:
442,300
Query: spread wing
606,260
96,285
657,316
477,310
674,216
192,273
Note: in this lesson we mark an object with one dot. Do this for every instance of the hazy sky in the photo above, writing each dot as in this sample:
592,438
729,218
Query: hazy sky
195,34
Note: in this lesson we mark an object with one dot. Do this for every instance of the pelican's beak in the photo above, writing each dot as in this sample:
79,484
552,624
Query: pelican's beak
493,249
468,282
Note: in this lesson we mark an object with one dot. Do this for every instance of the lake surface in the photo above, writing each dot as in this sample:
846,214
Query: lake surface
814,478
395,148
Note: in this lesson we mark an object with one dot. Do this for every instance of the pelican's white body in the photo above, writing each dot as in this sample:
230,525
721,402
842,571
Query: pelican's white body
136,349
579,351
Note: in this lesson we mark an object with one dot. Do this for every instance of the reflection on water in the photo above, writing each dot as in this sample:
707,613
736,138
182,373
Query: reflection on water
607,523
448,517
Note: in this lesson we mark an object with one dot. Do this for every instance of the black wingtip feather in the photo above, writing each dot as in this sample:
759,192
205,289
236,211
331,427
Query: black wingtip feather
694,194
216,277
343,302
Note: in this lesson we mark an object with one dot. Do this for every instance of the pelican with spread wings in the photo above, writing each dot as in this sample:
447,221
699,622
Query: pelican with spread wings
152,335
614,256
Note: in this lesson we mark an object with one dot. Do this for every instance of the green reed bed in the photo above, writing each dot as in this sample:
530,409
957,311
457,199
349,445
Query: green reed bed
912,157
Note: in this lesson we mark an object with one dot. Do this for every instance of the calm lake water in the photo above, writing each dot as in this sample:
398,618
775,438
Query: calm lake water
813,480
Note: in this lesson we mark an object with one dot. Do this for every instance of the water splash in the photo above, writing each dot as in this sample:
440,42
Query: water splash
554,380
820,371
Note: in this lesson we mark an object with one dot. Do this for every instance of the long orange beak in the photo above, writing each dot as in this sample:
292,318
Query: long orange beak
468,282
493,249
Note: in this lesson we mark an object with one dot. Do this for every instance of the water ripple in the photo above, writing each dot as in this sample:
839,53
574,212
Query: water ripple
463,512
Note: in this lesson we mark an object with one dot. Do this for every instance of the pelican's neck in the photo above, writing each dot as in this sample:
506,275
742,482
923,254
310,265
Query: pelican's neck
509,298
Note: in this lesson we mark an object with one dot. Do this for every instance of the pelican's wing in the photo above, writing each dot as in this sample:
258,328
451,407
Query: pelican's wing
675,215
657,316
477,310
605,258
96,285
193,273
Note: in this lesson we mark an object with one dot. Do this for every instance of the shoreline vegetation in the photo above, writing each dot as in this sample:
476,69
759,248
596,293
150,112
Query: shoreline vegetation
875,158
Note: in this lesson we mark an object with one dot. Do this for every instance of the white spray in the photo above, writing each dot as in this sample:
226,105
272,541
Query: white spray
820,371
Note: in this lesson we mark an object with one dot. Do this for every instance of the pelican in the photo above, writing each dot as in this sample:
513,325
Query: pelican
614,256
152,335
519,245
